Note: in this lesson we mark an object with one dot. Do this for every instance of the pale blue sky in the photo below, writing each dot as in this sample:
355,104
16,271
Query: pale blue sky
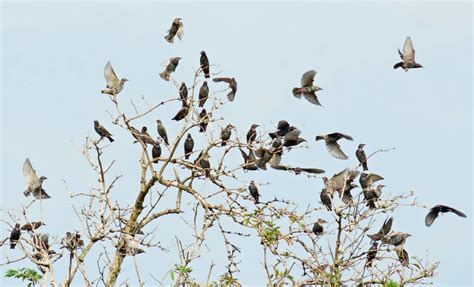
52,71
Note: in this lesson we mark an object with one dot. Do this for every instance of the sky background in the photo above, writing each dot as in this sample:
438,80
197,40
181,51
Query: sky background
53,57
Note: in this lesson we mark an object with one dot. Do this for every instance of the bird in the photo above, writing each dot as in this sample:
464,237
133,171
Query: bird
367,179
130,246
339,180
188,146
296,170
403,256
249,160
41,241
292,138
226,133
372,253
282,129
202,161
205,64
177,29
232,85
72,241
346,195
156,152
396,239
203,94
162,131
143,136
252,134
360,154
435,210
253,189
42,262
203,121
325,199
384,230
35,184
307,89
318,228
114,85
32,226
332,146
183,92
15,236
408,57
171,66
102,132
182,113
371,195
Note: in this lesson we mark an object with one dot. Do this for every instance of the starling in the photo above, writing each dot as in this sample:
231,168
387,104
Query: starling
203,94
177,29
346,195
317,226
35,184
171,66
263,157
156,152
114,85
292,138
396,239
232,85
332,146
249,160
226,133
41,241
384,230
326,199
143,136
254,191
367,179
102,132
252,134
182,113
188,146
371,195
296,170
403,256
15,236
408,57
72,241
162,131
131,246
203,121
205,64
340,180
203,162
32,226
183,92
371,254
435,210
360,154
308,90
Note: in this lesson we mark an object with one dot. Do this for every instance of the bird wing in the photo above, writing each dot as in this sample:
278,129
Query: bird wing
408,51
308,78
312,98
313,170
387,226
40,194
335,150
29,172
166,63
180,32
227,80
431,216
340,135
457,212
372,177
110,76
292,135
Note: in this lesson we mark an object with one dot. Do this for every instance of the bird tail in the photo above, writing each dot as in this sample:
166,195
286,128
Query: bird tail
207,76
165,76
398,65
169,39
12,245
105,91
364,166
297,92
110,138
186,156
223,143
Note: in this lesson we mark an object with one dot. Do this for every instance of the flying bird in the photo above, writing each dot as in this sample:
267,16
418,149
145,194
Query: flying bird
408,57
232,85
205,64
226,133
253,189
292,137
298,170
263,156
102,132
15,236
318,228
171,66
332,146
249,160
32,226
203,121
143,136
188,146
183,92
367,179
162,131
182,113
361,157
252,134
35,184
156,152
384,230
177,29
114,85
435,210
203,94
307,89
396,239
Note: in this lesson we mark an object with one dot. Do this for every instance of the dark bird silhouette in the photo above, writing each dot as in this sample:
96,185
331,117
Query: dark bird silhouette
371,195
325,199
203,121
252,134
367,179
371,254
15,236
205,64
361,157
232,85
182,113
435,210
384,230
102,132
171,66
114,85
332,146
403,256
263,157
292,137
318,228
131,246
32,226
188,146
143,136
282,129
203,94
162,131
202,161
35,184
249,160
408,57
226,133
298,170
177,29
253,189
307,89
72,241
156,152
183,92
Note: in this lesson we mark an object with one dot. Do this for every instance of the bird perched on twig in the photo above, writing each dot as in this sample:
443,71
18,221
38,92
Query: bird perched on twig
371,254
182,113
114,85
325,199
435,210
253,189
202,161
232,85
143,136
384,230
367,179
292,137
396,239
408,57
204,61
203,121
307,89
226,133
249,160
203,94
35,184
252,134
171,66
361,157
156,152
318,228
332,146
102,132
177,29
15,236
188,146
162,131
32,226
183,92
340,180
402,256
346,195
371,195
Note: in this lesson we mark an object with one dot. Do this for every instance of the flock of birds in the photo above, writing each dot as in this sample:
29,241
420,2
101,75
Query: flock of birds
257,158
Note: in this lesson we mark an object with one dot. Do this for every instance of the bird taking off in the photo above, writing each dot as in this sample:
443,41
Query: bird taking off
114,85
177,29
307,89
435,210
332,146
35,184
102,132
171,66
232,85
408,57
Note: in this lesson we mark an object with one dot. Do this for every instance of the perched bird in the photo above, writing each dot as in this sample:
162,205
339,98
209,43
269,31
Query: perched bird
318,228
177,29
396,239
292,137
183,92
226,133
182,113
32,226
203,121
253,189
367,179
263,157
403,256
325,199
332,146
131,246
202,161
435,210
156,152
346,195
252,134
35,184
371,195
307,89
360,154
340,180
114,85
232,85
371,254
188,146
162,131
205,64
203,94
144,136
408,57
384,230
102,132
15,236
171,66
41,241
249,160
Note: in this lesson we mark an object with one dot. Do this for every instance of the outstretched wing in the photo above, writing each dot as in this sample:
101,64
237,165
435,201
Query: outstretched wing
312,98
338,136
180,32
29,172
227,80
110,76
408,51
308,78
431,216
335,150
457,212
